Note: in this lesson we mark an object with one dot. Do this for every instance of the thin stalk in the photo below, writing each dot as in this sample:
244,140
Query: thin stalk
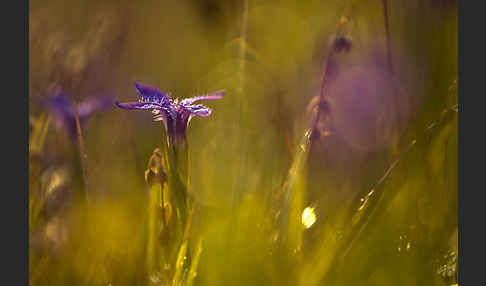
387,31
241,74
152,227
243,45
82,154
241,145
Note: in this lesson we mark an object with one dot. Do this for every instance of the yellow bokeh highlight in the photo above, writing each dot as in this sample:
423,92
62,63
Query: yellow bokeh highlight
308,217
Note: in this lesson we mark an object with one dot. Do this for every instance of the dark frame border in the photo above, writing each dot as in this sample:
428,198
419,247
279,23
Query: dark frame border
14,118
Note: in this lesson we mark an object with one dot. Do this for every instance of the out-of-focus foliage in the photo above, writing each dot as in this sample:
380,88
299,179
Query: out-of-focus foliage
371,201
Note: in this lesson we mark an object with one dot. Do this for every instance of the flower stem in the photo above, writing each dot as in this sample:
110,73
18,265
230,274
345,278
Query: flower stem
176,158
177,164
154,199
387,31
82,154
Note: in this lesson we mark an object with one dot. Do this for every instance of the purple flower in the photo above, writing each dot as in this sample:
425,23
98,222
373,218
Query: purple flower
63,109
174,113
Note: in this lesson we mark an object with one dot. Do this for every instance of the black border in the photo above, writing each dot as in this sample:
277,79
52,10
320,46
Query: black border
471,190
14,118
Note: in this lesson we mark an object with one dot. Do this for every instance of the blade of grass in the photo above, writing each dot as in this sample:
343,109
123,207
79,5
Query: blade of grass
82,154
194,265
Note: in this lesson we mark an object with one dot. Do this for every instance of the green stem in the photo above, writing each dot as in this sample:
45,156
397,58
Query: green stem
176,158
154,199
177,163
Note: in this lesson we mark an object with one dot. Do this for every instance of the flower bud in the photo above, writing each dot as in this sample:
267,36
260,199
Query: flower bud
155,171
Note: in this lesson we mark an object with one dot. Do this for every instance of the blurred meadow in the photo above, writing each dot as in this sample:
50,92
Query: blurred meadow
330,160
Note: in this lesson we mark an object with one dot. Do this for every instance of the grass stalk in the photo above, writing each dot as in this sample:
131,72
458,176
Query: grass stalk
82,154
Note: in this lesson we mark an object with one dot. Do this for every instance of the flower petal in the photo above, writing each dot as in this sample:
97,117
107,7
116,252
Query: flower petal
199,110
60,102
137,105
150,93
212,96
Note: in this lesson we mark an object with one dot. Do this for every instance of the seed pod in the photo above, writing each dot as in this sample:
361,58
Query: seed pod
318,117
341,43
155,171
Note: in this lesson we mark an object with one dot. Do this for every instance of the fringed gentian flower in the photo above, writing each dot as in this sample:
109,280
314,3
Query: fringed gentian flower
176,116
63,109
174,113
